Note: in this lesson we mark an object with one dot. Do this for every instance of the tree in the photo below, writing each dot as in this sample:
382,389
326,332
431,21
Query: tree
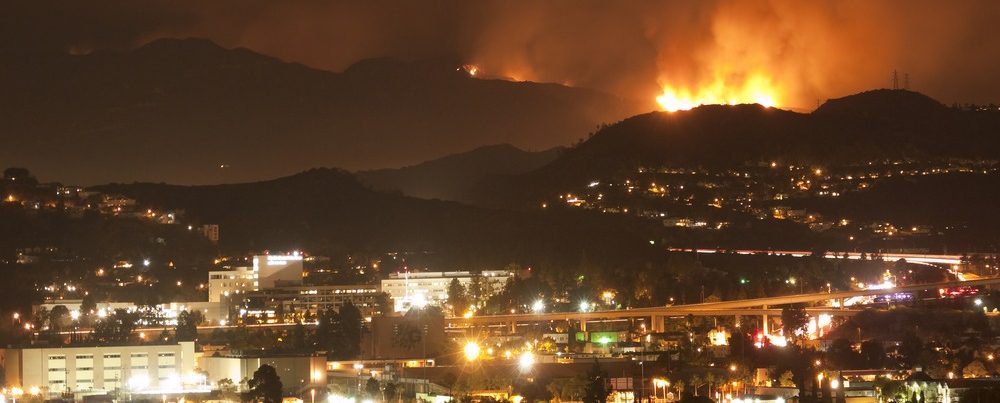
19,176
116,328
58,317
794,319
265,386
841,354
88,307
299,336
352,324
457,298
596,390
389,390
372,389
187,325
975,369
787,379
533,390
873,353
327,329
340,332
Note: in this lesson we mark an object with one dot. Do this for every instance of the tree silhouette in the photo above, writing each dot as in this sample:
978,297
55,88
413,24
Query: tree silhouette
265,386
596,390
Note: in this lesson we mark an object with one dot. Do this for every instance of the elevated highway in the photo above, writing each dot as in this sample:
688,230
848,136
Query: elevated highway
744,307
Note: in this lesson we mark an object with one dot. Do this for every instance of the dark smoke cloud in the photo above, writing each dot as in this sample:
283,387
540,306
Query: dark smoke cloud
811,50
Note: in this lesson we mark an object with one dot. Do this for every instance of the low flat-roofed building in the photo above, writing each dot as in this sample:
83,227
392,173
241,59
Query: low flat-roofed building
140,369
297,372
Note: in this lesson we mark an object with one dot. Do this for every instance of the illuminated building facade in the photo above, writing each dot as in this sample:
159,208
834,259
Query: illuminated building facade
145,369
418,289
287,304
268,271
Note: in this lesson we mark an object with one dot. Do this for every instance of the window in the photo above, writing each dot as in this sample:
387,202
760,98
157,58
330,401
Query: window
114,355
161,355
57,357
85,356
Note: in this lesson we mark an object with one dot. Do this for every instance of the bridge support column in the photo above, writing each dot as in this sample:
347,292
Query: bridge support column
513,326
764,322
657,324
583,325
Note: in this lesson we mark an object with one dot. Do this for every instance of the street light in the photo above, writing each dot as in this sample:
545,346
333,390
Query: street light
471,351
526,361
584,306
538,306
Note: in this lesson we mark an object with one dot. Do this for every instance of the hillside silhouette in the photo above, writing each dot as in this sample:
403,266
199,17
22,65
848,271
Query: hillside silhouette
188,111
450,177
328,211
870,126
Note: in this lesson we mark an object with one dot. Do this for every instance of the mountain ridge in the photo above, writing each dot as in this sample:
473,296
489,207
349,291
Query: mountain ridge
232,115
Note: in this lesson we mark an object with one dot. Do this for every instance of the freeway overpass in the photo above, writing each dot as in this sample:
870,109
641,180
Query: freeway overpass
744,307
909,257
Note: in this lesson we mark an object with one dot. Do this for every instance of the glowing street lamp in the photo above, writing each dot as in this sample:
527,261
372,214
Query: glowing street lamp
471,351
584,306
538,306
526,361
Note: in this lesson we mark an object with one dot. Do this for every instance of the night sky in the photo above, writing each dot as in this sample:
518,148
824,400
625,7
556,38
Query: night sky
811,50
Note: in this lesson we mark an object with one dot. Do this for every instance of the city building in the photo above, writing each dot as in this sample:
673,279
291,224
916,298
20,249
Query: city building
210,231
297,372
162,314
418,289
268,271
416,335
144,369
288,304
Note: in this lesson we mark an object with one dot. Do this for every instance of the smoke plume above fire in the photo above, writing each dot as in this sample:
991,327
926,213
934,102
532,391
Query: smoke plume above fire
674,55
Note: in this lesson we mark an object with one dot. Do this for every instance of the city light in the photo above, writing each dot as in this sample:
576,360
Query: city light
538,306
526,361
471,351
584,306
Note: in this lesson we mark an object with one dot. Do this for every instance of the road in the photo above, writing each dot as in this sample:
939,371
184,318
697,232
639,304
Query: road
909,257
752,306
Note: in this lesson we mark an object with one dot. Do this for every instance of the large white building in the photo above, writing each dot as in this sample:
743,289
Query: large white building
144,369
267,271
431,288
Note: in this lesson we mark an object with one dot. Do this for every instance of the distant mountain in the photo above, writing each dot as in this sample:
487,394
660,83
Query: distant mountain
452,177
189,111
328,211
875,125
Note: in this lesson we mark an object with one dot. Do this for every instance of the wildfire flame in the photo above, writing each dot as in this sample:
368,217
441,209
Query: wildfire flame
470,69
756,89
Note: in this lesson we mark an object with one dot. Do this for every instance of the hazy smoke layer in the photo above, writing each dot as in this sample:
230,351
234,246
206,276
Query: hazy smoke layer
807,50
